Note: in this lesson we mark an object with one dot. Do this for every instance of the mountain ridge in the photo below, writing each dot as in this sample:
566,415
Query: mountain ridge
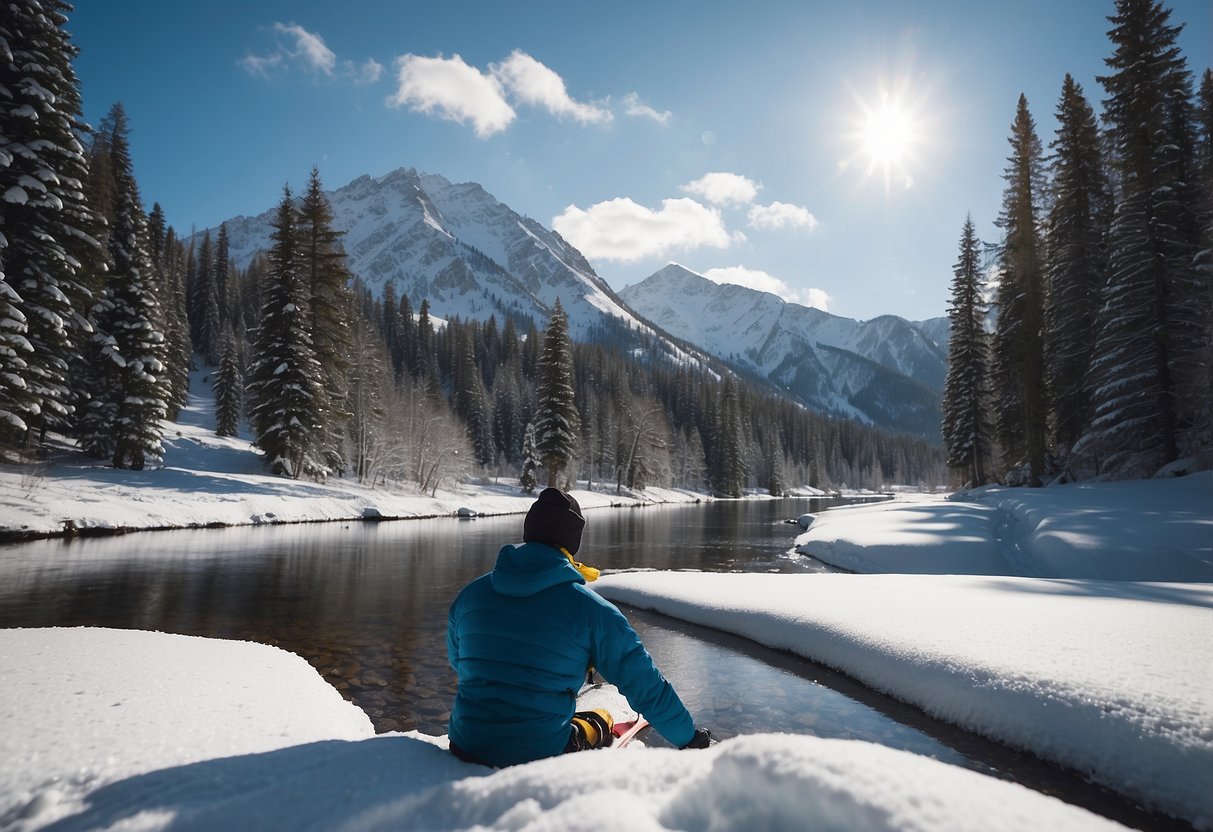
886,371
471,256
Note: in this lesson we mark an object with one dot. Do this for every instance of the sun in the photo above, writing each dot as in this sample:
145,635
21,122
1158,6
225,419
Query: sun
885,137
887,134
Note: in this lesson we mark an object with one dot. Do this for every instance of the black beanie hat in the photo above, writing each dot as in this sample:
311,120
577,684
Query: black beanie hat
555,519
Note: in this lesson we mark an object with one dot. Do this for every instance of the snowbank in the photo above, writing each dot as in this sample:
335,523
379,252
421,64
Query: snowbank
1155,530
212,480
1113,678
83,708
151,731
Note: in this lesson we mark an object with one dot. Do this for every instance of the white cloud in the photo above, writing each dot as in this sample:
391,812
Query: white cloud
368,73
724,188
308,50
309,47
261,64
781,214
531,82
763,282
620,229
635,107
453,90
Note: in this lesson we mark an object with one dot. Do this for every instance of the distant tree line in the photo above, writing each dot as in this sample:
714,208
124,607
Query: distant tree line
105,309
1100,361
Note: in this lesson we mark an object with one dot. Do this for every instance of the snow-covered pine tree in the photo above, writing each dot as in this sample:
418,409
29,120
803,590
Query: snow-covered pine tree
1021,404
557,423
1076,264
1154,320
328,279
530,460
284,388
47,230
966,396
130,376
229,389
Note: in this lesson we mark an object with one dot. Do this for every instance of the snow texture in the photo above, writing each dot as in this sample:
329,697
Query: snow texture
150,731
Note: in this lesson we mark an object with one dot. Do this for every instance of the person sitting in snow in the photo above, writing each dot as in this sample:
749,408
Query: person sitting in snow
521,639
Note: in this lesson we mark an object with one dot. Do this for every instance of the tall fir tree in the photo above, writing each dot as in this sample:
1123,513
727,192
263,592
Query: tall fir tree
178,348
530,460
49,252
1076,266
329,303
1021,406
128,381
1203,388
206,329
729,470
1154,319
217,298
284,388
229,389
966,425
557,423
471,399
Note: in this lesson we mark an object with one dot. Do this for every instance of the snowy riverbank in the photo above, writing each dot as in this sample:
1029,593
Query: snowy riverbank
1098,667
209,480
112,729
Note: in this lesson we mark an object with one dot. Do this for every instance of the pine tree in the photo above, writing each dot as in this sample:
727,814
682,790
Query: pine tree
557,423
529,459
966,397
1154,320
471,400
1202,392
371,380
204,306
728,474
1077,263
219,298
329,302
48,233
284,388
129,385
427,357
178,347
1022,412
229,387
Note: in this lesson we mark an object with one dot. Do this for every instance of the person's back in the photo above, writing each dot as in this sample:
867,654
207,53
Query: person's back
522,637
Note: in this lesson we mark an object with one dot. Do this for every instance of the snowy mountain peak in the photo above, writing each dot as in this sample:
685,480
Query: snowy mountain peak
458,246
886,371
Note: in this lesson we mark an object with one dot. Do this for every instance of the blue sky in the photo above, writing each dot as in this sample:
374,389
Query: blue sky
825,151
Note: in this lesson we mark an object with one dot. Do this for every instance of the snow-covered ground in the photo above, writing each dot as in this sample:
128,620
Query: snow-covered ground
108,729
212,480
1100,667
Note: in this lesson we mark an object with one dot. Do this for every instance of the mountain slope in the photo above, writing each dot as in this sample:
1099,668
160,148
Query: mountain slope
886,371
457,246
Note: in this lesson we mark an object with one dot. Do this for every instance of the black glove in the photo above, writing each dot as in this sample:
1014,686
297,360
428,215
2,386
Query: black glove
702,739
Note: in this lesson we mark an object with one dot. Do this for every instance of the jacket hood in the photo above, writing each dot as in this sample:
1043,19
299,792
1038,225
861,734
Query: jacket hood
524,569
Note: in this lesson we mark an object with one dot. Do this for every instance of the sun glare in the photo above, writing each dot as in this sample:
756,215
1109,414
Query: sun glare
885,137
887,134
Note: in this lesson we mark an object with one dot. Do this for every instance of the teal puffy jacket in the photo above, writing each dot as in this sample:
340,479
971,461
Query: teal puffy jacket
521,638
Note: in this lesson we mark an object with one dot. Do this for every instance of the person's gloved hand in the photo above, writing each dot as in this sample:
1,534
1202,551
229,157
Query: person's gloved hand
702,739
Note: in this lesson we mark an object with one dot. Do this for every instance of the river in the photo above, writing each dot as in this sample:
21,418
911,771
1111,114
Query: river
366,604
